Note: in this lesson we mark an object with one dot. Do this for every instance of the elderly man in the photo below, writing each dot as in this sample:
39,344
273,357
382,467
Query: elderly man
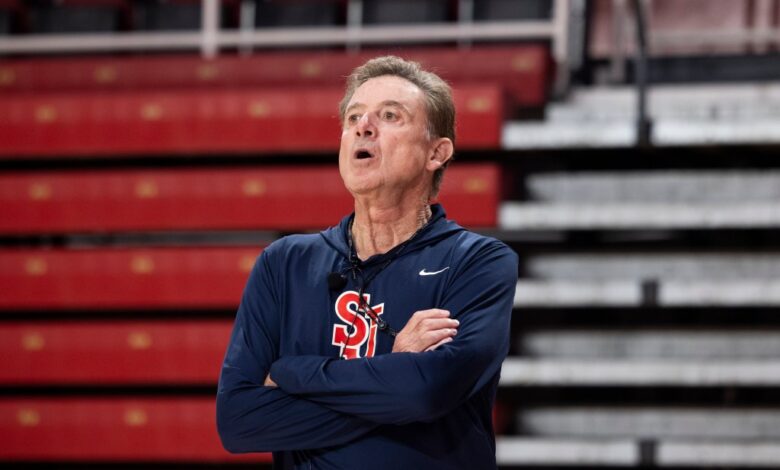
378,343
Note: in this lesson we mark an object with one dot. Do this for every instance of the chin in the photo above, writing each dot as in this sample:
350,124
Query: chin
361,189
362,186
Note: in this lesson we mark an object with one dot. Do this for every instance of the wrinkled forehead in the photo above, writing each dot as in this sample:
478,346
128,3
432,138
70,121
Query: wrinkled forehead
388,88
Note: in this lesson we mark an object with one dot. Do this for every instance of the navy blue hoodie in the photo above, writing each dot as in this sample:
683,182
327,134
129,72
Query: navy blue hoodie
377,410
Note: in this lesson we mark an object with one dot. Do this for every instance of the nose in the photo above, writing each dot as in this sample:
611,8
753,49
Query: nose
365,126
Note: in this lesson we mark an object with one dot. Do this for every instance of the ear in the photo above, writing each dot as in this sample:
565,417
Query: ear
441,153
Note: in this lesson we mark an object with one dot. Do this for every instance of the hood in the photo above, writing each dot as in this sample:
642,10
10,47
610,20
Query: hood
437,228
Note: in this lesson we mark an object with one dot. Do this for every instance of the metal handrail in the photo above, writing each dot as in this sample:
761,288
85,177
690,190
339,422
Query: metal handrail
429,33
210,38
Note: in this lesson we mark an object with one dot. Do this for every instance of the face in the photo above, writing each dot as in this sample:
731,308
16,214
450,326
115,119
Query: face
385,147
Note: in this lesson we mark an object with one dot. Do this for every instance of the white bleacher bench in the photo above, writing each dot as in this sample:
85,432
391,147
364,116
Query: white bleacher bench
550,451
626,452
639,373
651,422
705,343
681,114
600,215
673,293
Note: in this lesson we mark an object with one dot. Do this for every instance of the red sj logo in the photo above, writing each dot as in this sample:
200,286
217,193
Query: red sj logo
364,329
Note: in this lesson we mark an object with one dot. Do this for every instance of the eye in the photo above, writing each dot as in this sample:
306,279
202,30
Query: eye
389,116
353,118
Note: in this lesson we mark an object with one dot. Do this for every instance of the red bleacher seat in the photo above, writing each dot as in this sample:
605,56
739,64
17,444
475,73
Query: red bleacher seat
98,108
84,429
524,70
270,198
64,125
185,352
140,278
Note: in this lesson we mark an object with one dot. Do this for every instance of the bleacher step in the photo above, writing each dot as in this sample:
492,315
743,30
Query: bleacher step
637,215
681,114
651,422
623,293
640,373
627,452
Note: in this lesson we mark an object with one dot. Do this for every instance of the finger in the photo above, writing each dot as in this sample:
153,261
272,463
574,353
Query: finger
444,341
431,313
433,337
421,315
438,323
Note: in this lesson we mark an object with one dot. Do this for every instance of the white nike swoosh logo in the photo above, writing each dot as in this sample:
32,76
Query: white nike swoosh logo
423,272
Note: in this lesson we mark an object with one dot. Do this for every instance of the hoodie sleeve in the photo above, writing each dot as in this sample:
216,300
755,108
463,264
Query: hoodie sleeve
254,418
400,388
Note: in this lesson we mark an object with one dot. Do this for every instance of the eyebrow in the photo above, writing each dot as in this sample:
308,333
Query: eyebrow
394,103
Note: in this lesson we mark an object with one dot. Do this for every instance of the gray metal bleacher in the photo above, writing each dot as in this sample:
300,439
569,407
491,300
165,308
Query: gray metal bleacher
676,437
653,344
653,199
650,276
699,279
683,114
651,422
641,373
622,453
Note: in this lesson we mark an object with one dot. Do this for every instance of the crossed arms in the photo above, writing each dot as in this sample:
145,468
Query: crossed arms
322,401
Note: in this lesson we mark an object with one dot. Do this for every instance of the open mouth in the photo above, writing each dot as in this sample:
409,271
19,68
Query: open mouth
363,154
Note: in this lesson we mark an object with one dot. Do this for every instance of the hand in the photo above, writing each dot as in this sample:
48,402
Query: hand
426,331
268,382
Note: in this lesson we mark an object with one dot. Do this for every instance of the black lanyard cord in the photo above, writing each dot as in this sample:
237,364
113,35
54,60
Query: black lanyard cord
363,306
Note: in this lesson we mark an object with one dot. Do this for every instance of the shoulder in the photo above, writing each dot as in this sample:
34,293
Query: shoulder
291,245
280,252
482,260
470,245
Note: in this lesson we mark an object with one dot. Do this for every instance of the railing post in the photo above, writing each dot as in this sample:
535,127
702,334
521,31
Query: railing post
560,45
354,24
210,28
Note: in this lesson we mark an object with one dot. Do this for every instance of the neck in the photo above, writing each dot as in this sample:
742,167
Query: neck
377,230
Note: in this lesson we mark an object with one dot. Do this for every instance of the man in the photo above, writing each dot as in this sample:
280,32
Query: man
315,370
